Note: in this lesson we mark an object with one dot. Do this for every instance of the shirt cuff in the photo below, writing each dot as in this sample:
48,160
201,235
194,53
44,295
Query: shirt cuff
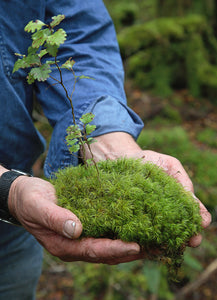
111,115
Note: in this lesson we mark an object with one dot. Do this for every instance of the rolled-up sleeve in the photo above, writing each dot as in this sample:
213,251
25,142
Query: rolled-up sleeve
91,42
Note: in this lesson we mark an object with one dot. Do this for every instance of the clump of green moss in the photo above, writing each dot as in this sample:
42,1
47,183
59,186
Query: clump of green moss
131,201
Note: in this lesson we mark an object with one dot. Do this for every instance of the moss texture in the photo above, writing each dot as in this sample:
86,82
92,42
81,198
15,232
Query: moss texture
131,201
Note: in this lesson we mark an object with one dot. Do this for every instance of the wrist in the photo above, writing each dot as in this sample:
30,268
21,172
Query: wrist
13,195
2,170
114,145
8,181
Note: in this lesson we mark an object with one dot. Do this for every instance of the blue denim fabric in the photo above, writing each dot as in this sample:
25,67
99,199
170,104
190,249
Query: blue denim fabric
91,42
20,263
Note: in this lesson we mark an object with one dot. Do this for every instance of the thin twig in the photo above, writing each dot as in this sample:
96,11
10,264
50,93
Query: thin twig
191,287
66,92
73,115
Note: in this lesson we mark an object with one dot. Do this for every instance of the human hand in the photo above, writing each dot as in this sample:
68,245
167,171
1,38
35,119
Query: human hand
120,144
32,201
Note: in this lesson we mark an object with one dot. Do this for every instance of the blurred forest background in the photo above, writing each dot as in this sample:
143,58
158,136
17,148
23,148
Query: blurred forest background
169,51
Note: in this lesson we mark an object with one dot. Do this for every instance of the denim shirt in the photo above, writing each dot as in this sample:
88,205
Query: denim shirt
91,42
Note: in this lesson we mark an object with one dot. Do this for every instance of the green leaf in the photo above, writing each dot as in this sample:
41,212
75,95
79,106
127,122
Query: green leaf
87,118
32,50
26,62
193,262
152,273
74,148
52,49
56,20
90,128
40,37
91,140
40,73
73,131
33,26
68,64
71,142
30,78
42,53
33,60
20,64
57,38
20,55
85,77
50,62
89,161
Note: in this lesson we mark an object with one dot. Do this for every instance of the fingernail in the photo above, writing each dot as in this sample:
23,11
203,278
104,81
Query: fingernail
195,198
69,229
134,251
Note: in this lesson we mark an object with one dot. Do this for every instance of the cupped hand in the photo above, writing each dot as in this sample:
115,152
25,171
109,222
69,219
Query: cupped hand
33,202
174,168
120,144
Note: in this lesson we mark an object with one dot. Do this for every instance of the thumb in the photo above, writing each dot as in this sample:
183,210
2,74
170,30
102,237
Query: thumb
61,221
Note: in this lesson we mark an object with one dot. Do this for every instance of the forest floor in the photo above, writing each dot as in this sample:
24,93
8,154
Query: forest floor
56,282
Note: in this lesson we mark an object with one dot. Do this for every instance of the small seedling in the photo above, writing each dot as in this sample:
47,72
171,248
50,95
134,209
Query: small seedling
42,59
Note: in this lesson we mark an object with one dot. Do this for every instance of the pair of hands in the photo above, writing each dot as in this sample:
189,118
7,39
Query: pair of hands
33,202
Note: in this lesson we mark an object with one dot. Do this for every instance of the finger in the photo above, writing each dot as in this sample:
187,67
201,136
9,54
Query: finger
97,250
178,172
184,179
206,216
195,241
170,165
106,248
57,219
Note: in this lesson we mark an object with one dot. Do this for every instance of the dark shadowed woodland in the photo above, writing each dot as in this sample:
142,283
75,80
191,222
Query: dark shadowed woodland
169,51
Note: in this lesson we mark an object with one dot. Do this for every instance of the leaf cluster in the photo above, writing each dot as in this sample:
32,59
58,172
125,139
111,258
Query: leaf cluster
133,202
45,41
76,137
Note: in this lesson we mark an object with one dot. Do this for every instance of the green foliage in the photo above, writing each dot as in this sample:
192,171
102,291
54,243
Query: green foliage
34,26
156,278
168,53
182,7
162,41
132,202
56,20
77,137
40,73
124,281
125,14
208,136
68,64
44,41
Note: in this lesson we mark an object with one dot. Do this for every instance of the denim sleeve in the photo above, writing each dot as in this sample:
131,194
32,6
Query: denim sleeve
91,42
